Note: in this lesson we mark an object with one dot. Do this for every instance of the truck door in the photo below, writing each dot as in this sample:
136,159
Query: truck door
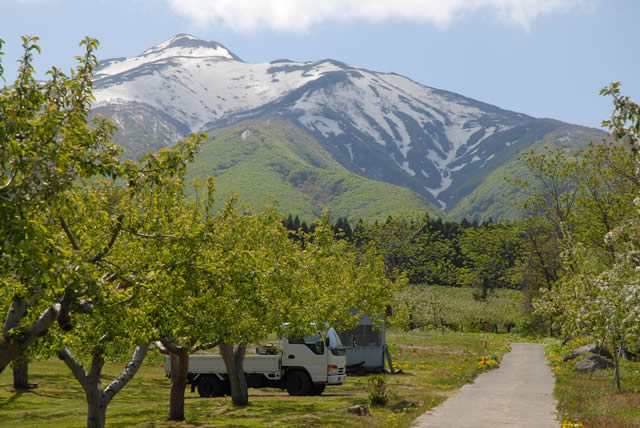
310,353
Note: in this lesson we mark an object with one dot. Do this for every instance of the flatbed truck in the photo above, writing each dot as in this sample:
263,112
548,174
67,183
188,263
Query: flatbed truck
301,366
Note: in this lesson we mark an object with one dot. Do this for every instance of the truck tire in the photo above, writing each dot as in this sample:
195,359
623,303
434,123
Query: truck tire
210,386
298,383
318,388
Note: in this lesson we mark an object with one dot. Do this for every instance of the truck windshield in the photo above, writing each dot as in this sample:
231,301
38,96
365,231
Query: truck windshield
332,336
313,339
334,339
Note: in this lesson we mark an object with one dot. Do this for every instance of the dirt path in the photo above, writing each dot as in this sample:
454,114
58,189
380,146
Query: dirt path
518,394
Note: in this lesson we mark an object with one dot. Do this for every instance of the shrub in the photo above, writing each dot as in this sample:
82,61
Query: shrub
380,392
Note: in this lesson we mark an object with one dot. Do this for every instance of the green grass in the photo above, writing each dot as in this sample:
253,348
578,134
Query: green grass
265,159
587,397
433,367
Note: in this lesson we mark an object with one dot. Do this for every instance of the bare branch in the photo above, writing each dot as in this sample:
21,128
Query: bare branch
84,307
109,277
76,368
68,232
170,346
64,316
204,346
161,348
16,312
124,284
105,338
112,264
42,324
112,241
127,374
8,183
9,351
155,236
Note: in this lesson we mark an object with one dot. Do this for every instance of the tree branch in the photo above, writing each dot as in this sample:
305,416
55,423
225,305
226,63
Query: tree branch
161,348
64,316
8,183
9,351
112,241
104,339
204,346
144,235
127,374
97,363
84,306
68,233
170,346
76,368
16,312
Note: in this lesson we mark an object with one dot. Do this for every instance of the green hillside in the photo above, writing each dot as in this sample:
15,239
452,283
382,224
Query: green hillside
271,158
495,197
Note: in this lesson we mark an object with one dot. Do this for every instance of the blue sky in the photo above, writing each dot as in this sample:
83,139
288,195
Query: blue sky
546,58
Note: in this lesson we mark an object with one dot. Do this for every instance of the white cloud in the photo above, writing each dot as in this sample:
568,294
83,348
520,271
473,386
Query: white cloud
300,15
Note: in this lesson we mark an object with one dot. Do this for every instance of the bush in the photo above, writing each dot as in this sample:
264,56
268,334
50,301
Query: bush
380,392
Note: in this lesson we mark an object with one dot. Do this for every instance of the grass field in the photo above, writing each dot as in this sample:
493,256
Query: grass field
588,398
433,367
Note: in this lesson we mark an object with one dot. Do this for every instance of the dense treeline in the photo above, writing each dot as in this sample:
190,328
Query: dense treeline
431,251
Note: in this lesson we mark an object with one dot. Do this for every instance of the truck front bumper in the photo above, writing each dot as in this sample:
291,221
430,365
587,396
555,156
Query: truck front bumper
336,379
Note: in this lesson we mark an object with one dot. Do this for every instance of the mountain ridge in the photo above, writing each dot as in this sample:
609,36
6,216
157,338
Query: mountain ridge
382,126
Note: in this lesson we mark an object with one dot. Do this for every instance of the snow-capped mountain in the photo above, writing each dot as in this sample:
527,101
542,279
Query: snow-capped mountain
379,125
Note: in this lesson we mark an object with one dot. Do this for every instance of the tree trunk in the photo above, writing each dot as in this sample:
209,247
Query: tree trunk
179,371
21,372
616,369
96,407
97,398
233,361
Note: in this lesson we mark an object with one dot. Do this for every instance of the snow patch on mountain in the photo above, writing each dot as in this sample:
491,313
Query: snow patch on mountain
404,165
327,127
350,150
203,85
182,45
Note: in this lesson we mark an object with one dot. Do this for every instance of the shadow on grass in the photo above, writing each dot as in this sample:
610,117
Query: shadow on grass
266,395
12,398
152,416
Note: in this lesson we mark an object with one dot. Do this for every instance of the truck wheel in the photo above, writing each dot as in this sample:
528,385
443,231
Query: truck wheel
210,386
298,383
318,388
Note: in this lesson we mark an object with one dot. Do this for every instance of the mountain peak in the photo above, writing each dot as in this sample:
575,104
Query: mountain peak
179,46
186,45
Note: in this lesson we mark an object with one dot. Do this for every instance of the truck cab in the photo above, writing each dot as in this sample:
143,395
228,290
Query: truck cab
321,356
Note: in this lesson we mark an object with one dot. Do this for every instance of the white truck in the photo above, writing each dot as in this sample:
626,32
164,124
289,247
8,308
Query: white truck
301,366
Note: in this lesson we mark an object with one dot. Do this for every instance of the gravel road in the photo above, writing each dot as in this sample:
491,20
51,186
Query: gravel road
518,394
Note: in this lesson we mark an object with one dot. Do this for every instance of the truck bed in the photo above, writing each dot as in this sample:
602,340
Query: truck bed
263,364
